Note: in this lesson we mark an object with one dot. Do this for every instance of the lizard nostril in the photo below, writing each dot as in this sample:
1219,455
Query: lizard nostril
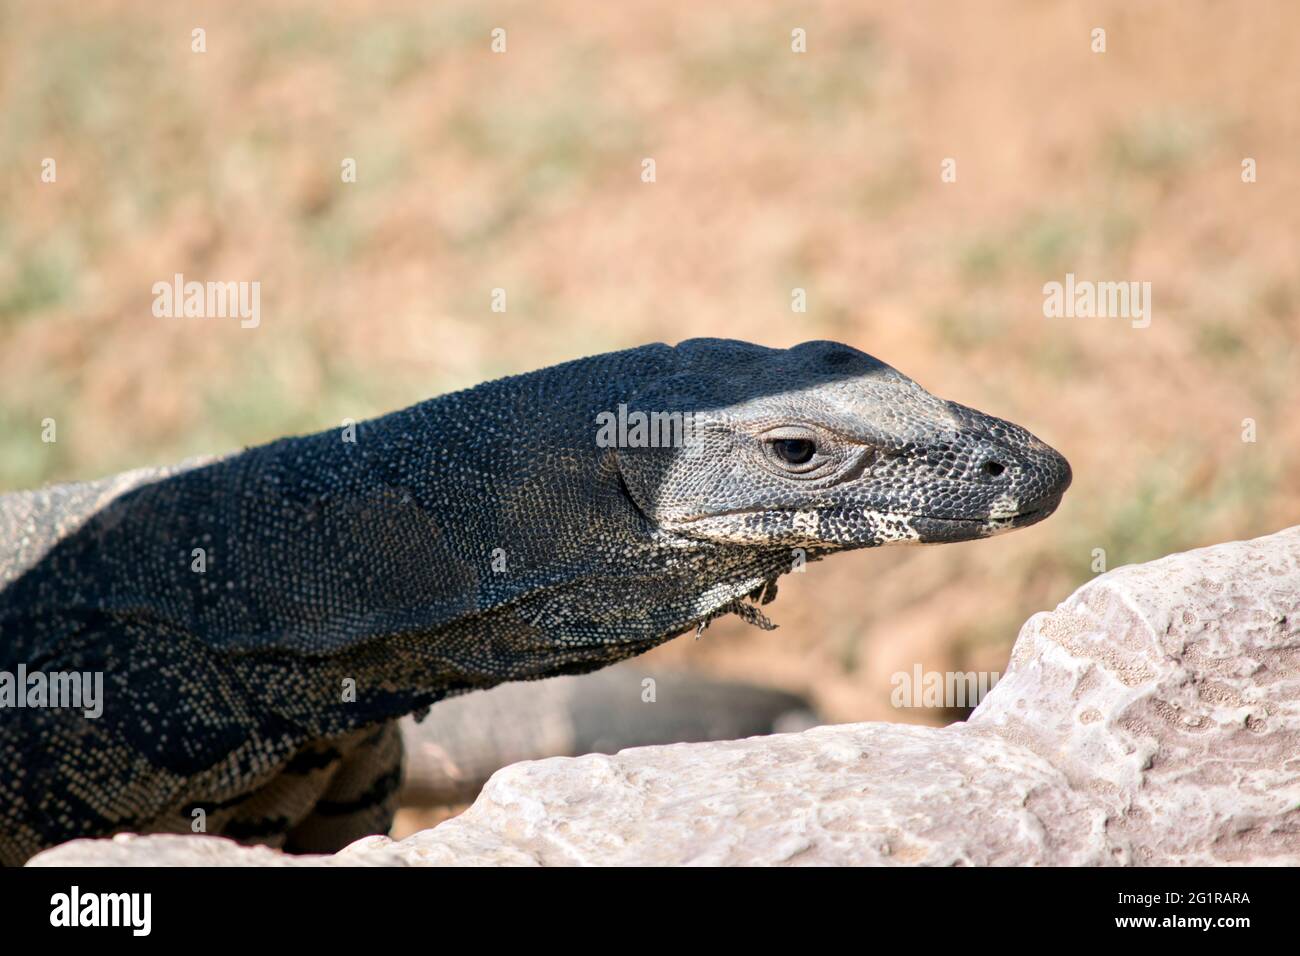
993,468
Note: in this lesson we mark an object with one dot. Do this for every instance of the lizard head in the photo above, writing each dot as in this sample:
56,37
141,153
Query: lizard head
825,447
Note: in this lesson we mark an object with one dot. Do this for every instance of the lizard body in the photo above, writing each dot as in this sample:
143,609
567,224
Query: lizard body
261,620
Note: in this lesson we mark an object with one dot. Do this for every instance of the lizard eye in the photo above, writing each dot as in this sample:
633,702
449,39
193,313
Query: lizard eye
794,451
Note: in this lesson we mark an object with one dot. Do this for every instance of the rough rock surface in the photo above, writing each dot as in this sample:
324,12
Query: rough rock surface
1152,718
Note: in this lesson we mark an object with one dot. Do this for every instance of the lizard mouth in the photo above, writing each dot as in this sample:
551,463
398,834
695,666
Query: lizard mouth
939,530
918,528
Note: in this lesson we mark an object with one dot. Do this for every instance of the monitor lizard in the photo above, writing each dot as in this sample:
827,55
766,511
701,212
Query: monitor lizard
261,620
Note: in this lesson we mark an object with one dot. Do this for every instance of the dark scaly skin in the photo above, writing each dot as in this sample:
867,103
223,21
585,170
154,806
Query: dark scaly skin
372,562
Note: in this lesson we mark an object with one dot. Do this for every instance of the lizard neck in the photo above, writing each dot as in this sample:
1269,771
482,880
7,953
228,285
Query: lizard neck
447,546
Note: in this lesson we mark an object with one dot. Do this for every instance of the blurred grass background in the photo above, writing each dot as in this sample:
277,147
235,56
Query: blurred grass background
774,170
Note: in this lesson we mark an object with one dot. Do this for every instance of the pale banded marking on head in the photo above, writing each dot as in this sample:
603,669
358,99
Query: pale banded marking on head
1004,506
811,527
806,522
1001,514
891,528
